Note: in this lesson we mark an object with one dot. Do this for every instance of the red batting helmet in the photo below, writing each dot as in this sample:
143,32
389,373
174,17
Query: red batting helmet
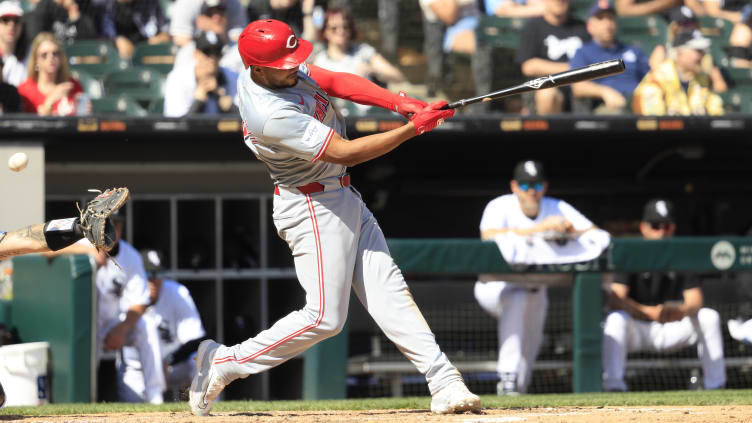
272,44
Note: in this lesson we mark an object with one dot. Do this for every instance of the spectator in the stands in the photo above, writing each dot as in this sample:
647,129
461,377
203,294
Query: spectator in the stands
10,101
460,18
212,18
63,18
49,89
12,49
678,86
683,19
740,44
660,312
187,18
649,7
343,54
130,22
613,91
736,11
296,13
207,88
514,9
547,44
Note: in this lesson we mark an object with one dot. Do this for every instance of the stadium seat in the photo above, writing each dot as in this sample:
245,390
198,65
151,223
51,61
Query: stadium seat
645,32
500,32
580,8
140,83
156,107
160,57
117,105
717,29
94,57
92,86
739,97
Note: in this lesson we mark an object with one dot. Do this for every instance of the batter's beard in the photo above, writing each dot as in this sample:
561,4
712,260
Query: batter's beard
286,83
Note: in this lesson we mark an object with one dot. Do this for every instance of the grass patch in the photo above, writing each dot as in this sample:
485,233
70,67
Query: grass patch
633,399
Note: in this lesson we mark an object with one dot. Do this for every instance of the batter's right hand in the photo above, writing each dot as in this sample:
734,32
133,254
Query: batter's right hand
429,118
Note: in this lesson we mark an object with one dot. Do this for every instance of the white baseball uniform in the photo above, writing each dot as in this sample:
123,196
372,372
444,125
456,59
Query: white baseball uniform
177,321
335,240
520,309
119,289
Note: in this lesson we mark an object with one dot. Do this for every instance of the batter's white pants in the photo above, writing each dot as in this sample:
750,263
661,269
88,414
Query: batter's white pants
337,245
623,334
144,338
521,313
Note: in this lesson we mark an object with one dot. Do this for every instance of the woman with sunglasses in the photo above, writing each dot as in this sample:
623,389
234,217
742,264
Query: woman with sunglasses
342,54
49,89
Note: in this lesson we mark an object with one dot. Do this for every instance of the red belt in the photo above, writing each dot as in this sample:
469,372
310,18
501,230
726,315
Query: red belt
315,187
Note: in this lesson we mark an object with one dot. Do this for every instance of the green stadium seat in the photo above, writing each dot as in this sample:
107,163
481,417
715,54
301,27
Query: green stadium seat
94,57
117,105
645,32
160,57
717,29
92,86
140,83
580,8
739,96
499,32
156,107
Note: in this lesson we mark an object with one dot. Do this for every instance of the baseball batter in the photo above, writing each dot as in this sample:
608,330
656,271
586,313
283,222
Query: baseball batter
337,245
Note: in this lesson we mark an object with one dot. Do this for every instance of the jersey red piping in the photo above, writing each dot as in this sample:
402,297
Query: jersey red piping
323,147
322,301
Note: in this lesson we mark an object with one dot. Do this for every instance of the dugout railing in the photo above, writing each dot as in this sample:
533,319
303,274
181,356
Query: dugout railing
471,257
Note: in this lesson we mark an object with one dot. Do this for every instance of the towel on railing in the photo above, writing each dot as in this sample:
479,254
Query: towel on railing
552,248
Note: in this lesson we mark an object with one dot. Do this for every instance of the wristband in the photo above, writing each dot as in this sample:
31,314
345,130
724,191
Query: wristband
61,233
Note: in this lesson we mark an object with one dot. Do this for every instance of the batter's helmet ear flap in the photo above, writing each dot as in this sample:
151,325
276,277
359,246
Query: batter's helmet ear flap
273,44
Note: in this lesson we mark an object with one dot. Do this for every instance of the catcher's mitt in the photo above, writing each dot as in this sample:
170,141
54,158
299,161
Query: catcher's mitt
95,222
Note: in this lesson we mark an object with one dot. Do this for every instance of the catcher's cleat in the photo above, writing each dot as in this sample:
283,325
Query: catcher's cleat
207,384
455,398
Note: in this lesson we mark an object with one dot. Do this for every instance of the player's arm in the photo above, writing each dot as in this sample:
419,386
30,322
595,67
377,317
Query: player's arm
619,299
362,91
537,66
116,337
693,301
633,8
23,241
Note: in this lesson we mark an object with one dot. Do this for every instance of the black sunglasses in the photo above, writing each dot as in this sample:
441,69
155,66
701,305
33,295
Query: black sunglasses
660,225
14,19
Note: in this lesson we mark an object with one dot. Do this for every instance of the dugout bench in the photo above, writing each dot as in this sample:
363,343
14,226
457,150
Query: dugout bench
469,257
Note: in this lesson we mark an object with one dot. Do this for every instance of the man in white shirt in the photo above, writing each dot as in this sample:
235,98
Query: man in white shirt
521,308
178,324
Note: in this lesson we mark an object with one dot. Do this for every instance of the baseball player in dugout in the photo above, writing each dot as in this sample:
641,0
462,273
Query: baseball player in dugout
173,313
521,308
660,312
290,124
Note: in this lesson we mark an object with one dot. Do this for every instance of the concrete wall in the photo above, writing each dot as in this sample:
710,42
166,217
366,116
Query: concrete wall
21,193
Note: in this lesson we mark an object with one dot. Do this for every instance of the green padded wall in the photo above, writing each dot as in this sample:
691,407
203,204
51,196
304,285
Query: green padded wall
53,301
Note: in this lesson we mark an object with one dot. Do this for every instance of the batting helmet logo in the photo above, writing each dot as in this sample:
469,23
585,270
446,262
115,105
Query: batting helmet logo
271,43
292,42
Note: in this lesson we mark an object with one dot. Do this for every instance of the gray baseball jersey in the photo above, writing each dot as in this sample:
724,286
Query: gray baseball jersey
289,129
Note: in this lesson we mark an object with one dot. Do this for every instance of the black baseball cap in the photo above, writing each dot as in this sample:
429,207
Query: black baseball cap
529,171
693,39
601,6
658,210
153,263
212,5
209,43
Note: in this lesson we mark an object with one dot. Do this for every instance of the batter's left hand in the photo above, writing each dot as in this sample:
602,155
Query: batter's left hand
408,106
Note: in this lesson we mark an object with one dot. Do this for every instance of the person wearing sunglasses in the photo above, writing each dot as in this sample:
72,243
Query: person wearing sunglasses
49,89
12,46
521,308
660,312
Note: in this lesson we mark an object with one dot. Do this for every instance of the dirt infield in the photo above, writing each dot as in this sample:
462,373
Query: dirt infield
674,414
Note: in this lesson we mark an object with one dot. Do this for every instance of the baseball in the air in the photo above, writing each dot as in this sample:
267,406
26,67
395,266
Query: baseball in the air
18,162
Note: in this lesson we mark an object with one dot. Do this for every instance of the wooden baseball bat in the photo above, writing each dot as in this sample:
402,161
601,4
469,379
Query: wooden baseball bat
584,73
